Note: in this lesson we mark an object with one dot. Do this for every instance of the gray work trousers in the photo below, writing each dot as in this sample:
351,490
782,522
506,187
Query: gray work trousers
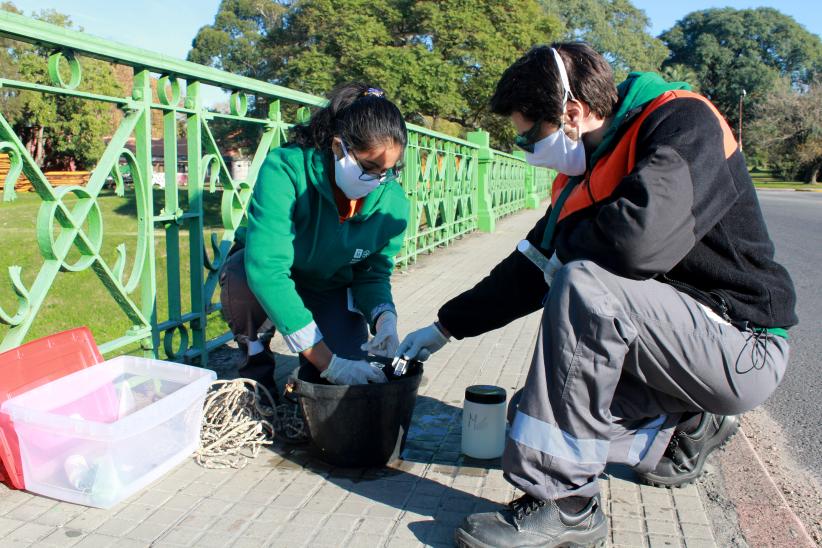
343,331
617,362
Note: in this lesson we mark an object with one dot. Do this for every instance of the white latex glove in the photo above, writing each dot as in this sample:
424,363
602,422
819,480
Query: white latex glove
342,371
386,340
420,344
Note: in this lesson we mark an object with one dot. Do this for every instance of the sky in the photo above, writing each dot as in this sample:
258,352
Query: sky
168,27
664,15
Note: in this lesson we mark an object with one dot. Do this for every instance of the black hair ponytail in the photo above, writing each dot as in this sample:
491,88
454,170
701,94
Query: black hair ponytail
360,114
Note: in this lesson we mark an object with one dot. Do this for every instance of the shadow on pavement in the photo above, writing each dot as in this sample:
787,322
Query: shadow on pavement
420,483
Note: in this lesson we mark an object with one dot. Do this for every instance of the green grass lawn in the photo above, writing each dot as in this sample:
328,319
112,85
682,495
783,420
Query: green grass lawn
77,299
766,179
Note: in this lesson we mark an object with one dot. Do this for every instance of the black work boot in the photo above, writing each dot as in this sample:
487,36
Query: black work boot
529,522
685,455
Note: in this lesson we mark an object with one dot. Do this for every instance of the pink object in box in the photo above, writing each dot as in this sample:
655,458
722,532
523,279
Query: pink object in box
29,366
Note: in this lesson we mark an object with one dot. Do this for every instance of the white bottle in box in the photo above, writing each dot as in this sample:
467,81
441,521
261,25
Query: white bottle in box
483,421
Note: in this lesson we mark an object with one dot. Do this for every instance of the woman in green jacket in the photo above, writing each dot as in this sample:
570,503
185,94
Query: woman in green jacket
326,218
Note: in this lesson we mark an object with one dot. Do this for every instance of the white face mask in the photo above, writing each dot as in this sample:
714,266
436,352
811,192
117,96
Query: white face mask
558,151
350,178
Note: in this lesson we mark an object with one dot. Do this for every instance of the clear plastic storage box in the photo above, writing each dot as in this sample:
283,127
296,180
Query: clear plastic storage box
98,435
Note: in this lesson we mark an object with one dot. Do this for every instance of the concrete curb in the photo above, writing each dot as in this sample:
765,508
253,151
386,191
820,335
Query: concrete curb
789,189
765,517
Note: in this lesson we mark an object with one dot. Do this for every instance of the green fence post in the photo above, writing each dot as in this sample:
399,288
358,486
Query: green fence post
410,181
143,191
196,172
171,210
485,202
531,192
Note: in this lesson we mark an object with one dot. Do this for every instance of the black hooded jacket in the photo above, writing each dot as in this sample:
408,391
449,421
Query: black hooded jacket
685,213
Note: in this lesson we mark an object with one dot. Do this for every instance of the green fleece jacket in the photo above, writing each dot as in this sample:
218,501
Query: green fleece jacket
295,238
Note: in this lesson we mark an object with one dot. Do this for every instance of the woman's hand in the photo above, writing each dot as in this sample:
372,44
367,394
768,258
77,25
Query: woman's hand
319,355
386,340
342,371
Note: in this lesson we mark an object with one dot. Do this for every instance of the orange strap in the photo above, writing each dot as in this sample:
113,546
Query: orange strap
609,171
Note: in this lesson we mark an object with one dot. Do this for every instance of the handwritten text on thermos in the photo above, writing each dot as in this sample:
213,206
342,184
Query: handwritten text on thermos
483,421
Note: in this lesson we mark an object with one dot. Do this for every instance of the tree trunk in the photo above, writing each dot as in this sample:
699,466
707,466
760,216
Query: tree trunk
813,177
40,149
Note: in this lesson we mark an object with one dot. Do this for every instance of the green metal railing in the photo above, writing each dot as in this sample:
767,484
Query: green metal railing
455,186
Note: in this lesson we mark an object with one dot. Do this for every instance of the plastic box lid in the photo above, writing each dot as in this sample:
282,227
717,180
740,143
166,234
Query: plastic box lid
29,366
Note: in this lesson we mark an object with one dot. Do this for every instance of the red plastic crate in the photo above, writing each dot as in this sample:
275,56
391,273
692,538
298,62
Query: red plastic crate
29,366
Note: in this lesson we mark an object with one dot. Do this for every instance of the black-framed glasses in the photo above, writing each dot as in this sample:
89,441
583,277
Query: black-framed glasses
528,139
387,176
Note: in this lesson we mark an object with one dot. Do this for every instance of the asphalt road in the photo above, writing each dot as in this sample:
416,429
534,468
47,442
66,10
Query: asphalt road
795,224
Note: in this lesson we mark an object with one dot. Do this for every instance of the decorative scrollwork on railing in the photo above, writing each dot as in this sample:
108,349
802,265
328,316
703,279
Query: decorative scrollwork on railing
234,204
75,71
508,192
22,299
235,193
213,265
303,115
15,169
117,175
238,103
142,245
168,342
56,244
211,167
168,91
441,186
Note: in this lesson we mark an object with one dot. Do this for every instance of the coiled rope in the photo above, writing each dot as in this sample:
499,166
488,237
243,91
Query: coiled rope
239,418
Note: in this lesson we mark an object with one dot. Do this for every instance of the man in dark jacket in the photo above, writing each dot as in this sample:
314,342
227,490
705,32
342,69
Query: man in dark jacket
665,314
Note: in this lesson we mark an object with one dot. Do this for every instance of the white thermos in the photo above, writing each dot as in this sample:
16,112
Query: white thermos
483,421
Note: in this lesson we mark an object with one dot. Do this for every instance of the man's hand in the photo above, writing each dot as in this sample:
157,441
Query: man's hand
386,340
342,371
420,344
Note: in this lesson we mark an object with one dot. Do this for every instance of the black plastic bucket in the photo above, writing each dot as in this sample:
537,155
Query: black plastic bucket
362,425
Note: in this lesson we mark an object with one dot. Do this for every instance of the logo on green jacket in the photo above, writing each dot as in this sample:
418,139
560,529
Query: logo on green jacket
360,254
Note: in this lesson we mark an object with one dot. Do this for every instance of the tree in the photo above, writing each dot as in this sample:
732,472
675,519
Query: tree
681,73
481,39
731,50
787,132
9,99
61,132
436,59
237,42
615,28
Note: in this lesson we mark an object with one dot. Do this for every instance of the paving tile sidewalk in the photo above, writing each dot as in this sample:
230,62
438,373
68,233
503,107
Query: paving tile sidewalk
285,499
